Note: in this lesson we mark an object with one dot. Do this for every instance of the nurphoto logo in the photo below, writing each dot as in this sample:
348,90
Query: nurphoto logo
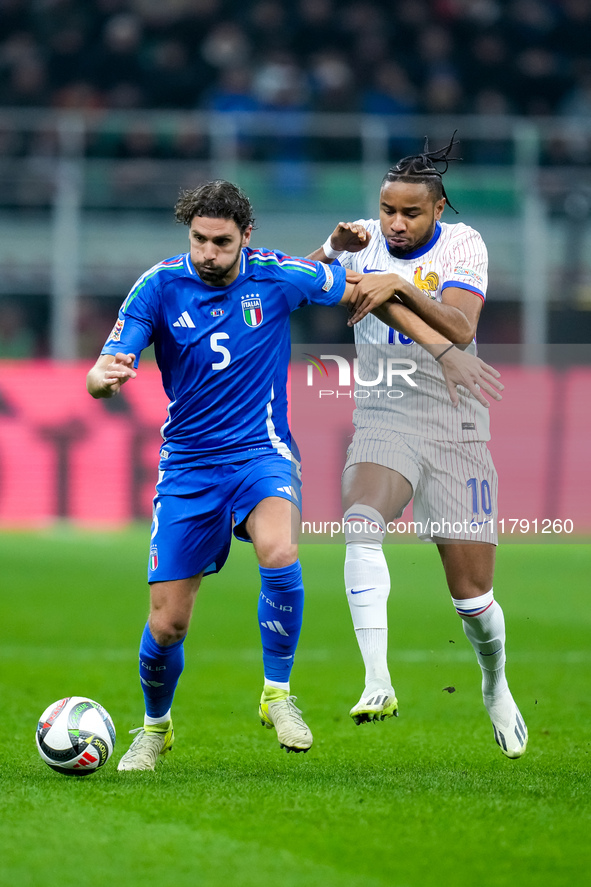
349,382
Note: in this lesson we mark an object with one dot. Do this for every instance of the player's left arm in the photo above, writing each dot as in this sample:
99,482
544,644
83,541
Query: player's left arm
375,291
455,317
379,289
458,367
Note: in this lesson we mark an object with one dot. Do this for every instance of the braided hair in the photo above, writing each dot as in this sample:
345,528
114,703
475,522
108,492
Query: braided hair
420,169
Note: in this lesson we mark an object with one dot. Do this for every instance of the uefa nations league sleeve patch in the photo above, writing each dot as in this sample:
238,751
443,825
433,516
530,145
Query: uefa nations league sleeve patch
116,331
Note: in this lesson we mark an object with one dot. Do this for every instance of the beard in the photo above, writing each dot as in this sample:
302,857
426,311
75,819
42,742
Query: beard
215,275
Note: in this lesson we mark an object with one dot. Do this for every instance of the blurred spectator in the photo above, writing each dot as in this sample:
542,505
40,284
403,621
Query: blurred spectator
484,13
171,80
443,94
530,23
280,83
572,35
233,92
333,82
491,102
186,20
226,46
77,96
366,30
23,75
486,65
334,90
268,25
541,80
27,84
435,56
314,28
114,66
163,17
391,93
67,50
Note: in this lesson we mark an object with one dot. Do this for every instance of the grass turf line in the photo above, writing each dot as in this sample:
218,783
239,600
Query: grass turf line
426,799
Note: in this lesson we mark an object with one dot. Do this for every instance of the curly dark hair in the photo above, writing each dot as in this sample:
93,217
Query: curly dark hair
421,169
215,200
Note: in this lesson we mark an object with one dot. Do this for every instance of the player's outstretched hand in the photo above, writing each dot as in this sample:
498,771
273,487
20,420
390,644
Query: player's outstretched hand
110,373
120,370
460,368
350,237
370,293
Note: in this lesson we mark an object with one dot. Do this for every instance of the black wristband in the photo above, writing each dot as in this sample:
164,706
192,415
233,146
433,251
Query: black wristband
439,356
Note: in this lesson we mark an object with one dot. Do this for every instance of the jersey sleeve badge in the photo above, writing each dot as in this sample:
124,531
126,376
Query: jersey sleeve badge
329,278
115,335
469,275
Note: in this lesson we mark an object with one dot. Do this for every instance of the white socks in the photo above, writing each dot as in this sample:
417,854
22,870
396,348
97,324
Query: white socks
484,626
153,722
367,582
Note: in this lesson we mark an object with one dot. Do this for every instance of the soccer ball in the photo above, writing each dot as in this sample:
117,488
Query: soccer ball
75,736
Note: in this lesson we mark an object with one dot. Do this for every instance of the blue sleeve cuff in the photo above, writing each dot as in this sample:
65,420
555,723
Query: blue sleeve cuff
464,286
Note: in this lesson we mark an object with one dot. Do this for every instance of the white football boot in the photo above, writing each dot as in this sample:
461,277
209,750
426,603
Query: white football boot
375,705
508,725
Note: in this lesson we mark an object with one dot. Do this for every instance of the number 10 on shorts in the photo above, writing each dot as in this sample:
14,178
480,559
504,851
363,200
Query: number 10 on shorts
482,490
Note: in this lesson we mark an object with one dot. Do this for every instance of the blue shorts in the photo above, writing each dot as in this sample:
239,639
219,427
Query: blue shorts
196,508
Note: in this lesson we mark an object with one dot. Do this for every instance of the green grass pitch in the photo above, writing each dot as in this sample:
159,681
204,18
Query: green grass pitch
421,801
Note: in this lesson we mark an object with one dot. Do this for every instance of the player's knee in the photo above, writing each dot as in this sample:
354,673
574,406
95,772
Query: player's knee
364,524
278,554
467,588
167,629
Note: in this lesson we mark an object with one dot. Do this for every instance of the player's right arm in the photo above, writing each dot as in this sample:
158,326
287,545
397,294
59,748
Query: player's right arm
109,373
133,331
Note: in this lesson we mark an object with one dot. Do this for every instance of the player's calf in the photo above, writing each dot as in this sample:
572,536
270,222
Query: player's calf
367,582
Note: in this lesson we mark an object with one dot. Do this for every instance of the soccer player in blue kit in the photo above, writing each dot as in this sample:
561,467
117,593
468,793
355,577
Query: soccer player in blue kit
219,320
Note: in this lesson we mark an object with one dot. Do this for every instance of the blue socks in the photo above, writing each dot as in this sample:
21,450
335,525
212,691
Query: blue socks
280,611
160,670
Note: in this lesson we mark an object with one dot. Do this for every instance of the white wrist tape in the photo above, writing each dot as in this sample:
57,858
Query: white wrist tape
329,252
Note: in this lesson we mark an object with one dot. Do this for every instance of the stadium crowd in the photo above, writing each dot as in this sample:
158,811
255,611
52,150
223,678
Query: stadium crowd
403,56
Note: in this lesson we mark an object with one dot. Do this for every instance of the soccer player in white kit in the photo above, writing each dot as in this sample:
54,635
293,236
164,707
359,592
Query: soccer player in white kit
420,447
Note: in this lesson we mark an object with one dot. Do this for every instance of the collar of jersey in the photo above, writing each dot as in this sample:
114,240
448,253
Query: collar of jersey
425,247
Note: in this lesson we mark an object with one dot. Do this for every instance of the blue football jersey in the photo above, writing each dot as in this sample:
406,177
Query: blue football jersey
223,351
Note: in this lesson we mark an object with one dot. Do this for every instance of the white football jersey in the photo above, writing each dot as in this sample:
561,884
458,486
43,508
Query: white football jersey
455,256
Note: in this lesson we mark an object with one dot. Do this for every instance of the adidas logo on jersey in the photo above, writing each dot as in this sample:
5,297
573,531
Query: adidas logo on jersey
184,320
289,490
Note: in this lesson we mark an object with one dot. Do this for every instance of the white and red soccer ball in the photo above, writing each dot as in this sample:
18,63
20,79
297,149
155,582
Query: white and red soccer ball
75,736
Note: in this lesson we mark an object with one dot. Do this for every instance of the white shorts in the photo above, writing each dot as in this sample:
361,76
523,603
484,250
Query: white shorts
455,485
